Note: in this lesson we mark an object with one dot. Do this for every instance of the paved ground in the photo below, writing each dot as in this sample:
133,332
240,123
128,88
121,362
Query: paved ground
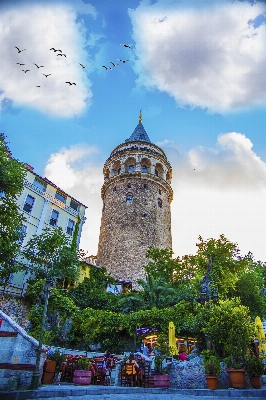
71,392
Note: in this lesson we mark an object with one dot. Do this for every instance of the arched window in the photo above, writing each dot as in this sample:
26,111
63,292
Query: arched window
144,168
118,171
160,203
129,198
131,168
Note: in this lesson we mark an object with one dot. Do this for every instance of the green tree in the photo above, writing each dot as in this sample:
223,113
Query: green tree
92,291
248,288
229,327
220,261
156,292
12,174
50,255
174,271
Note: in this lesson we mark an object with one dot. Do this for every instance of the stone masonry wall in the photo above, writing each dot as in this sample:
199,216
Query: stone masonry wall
128,229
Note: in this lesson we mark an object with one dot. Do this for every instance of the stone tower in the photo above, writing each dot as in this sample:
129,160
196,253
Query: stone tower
136,212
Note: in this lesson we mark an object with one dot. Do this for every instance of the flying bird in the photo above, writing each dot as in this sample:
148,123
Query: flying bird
19,51
126,45
55,50
123,61
25,70
83,66
46,75
61,55
73,83
38,65
113,64
38,86
106,67
20,64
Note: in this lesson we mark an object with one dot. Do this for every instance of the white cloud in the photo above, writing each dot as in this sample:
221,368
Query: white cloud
210,57
219,190
75,171
216,190
37,28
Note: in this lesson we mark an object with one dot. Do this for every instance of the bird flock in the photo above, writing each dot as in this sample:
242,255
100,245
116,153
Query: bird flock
121,61
61,54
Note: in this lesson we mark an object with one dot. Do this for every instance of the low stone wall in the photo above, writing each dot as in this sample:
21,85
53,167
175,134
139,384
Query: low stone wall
17,354
190,374
17,310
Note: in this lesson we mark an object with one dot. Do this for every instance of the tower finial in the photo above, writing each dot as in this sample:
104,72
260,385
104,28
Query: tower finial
140,116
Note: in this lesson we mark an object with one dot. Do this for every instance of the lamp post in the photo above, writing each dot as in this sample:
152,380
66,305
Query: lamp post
35,376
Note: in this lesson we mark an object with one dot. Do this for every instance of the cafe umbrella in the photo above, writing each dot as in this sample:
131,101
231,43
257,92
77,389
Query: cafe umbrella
172,339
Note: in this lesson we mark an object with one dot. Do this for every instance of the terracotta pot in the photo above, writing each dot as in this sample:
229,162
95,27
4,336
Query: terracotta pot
256,382
237,378
211,381
82,377
161,381
48,372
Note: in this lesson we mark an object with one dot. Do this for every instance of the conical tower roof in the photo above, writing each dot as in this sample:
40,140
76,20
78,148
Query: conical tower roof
139,134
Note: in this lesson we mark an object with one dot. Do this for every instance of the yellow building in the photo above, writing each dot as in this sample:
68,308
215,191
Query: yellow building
43,204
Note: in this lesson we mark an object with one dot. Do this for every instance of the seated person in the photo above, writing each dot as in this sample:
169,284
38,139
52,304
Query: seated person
131,361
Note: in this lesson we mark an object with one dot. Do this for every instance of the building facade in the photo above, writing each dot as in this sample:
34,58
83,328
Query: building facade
136,211
43,204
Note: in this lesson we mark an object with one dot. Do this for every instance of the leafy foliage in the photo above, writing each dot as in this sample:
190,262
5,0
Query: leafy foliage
230,329
50,255
156,292
12,174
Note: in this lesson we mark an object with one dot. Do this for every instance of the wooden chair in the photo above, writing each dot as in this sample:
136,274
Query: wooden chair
100,373
146,375
128,375
70,367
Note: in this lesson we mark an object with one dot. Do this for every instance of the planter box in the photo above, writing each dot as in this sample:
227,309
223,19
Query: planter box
159,380
48,372
82,377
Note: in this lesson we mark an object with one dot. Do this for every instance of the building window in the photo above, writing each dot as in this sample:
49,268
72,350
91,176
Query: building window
54,218
70,227
145,185
39,184
160,203
129,198
160,192
60,197
74,204
114,189
118,171
22,233
144,168
29,203
131,168
156,172
129,185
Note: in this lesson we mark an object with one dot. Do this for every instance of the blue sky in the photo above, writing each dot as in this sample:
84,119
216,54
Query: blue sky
197,71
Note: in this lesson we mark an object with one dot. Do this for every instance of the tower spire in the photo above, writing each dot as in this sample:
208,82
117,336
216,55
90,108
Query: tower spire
140,116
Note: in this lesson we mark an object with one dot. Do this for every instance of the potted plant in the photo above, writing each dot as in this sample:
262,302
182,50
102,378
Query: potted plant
212,369
160,376
82,375
255,370
229,327
51,365
236,368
